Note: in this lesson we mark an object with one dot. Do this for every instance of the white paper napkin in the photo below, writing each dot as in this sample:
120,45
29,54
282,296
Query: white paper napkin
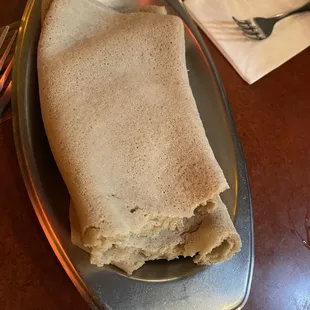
252,59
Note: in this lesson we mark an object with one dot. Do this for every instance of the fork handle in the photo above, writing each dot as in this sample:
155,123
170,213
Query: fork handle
303,8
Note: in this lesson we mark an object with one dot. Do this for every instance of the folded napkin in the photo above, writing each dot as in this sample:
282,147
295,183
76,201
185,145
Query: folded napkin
252,59
125,132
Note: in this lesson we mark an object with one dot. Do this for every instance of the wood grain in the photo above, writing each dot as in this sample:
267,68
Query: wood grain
273,121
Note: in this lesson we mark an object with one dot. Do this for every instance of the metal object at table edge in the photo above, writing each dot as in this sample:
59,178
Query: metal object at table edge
7,33
22,146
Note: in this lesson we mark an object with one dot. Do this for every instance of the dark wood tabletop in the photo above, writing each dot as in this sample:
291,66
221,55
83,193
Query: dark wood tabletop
273,121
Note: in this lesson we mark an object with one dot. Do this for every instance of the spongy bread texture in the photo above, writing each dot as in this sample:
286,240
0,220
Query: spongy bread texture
208,237
106,5
126,134
124,131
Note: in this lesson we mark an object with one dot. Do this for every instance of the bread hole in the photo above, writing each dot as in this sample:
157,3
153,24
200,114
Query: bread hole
143,254
133,210
114,196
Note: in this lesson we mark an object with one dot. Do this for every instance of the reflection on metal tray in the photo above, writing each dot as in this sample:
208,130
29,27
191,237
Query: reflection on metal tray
222,286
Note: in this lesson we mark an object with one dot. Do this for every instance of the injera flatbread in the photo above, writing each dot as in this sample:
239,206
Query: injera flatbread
126,135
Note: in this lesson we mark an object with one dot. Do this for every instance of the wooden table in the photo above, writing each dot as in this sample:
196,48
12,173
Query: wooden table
273,121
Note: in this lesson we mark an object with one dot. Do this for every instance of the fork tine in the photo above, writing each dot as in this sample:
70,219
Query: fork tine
3,34
247,24
6,74
7,50
251,31
248,29
5,99
253,37
241,22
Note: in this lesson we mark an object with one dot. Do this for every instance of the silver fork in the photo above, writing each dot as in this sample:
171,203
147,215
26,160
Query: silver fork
7,40
260,28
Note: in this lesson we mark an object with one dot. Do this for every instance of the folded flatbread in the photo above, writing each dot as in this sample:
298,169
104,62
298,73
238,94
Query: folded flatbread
125,132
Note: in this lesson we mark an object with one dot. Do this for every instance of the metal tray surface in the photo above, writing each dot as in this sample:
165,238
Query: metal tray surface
160,285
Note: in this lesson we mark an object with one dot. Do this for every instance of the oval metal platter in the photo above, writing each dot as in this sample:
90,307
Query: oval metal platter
158,285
